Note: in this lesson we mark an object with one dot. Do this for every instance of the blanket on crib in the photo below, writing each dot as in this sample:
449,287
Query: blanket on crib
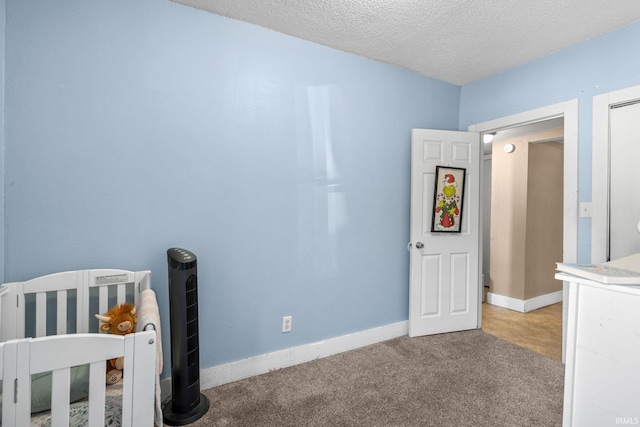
149,317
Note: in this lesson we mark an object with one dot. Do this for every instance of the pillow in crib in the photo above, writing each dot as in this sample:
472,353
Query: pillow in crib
41,388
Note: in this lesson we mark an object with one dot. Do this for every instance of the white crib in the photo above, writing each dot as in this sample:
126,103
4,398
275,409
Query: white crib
47,324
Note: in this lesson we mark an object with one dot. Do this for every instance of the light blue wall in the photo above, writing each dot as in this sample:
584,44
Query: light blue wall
132,127
607,63
2,240
136,126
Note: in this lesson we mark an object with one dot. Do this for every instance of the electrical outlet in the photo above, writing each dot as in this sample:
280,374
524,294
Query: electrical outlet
286,323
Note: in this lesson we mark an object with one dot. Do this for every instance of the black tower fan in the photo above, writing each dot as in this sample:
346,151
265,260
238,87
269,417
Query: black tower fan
187,404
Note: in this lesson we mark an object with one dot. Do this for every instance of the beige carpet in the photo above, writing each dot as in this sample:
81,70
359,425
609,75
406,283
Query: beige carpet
460,379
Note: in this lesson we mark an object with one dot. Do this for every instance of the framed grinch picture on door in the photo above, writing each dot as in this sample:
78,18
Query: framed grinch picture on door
448,197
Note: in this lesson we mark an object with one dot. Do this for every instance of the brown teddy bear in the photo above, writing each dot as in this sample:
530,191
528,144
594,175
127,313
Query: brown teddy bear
120,320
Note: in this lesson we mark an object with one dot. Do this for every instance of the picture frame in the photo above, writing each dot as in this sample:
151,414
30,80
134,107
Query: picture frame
448,200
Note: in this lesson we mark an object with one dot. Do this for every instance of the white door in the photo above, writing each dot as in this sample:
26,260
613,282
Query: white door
624,191
444,271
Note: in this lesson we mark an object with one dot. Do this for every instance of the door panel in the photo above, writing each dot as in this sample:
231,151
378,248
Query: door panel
459,281
445,286
430,295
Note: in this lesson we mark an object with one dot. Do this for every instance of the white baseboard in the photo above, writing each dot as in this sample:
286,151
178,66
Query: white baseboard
234,371
524,306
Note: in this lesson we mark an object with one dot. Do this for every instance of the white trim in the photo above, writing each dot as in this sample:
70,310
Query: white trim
257,365
505,302
600,169
524,306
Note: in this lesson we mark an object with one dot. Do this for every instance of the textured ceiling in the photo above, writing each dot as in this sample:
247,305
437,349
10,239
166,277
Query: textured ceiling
457,41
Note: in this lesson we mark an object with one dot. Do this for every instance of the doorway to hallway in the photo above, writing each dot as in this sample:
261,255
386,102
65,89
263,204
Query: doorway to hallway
522,202
569,111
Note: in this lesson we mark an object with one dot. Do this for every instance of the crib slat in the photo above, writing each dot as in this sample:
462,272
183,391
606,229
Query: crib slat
4,290
103,298
128,380
4,389
61,308
16,322
60,384
82,321
142,282
4,386
9,367
14,312
97,393
41,314
23,394
144,377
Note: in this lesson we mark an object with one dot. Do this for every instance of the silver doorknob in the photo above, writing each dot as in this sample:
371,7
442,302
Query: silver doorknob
419,245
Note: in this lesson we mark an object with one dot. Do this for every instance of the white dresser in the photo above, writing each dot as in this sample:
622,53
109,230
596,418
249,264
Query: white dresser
602,372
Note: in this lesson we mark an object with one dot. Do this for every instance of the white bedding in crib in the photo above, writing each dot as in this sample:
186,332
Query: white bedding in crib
79,412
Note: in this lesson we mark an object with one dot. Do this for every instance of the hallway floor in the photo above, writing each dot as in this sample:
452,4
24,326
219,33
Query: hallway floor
539,330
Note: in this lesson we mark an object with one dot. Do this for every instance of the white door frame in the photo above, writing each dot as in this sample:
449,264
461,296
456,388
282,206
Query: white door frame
568,110
600,168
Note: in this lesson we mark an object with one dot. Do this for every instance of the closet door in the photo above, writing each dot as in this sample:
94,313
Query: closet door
624,181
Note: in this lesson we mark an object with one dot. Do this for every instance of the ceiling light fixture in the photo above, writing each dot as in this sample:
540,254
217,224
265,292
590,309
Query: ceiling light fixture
488,137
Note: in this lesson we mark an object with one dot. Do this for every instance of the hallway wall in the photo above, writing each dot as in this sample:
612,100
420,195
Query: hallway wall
526,215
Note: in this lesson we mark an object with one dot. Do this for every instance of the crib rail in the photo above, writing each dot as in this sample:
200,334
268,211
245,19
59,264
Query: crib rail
19,359
66,302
